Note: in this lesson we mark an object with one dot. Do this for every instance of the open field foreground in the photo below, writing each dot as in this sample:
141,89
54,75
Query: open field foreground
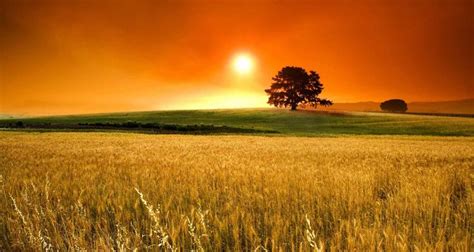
71,191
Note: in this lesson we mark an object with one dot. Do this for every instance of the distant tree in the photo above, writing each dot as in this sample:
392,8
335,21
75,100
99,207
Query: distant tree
293,86
394,105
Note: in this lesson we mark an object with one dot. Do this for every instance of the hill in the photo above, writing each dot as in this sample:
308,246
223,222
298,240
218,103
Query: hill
442,107
454,107
256,121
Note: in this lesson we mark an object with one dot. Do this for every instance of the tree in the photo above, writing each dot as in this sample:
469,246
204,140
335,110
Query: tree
394,105
19,124
293,86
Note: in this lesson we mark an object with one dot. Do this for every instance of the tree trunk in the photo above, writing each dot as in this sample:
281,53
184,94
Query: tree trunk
293,107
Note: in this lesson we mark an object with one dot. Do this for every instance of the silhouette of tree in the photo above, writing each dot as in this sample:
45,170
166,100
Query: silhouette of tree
293,86
19,124
394,105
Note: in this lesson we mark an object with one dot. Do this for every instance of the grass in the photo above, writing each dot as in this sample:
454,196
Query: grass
136,127
299,123
97,191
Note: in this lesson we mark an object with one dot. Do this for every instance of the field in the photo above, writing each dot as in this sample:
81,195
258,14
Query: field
300,123
102,191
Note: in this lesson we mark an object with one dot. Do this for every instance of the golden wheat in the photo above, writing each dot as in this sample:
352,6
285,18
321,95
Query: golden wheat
98,191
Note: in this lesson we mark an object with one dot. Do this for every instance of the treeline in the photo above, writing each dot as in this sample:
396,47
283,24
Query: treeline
137,126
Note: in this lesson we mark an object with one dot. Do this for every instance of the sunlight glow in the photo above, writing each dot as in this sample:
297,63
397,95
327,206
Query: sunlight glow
243,63
223,100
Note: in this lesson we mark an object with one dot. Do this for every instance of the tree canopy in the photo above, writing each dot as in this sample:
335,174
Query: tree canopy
394,105
293,86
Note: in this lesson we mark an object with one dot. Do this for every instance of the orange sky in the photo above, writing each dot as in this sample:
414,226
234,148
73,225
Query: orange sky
60,57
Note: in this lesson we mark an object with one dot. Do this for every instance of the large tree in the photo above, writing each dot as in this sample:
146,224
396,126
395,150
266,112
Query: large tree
293,86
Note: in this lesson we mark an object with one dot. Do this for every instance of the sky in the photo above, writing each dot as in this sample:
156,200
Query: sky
66,57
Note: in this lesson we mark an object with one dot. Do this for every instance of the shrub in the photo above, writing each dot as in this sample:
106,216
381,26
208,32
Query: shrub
394,105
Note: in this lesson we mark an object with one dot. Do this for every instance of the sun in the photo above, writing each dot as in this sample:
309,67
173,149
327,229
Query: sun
242,63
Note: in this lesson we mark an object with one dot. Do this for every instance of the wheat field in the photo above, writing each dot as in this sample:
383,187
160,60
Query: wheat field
111,191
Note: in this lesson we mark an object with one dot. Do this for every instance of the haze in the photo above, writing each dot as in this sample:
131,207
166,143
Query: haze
60,57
